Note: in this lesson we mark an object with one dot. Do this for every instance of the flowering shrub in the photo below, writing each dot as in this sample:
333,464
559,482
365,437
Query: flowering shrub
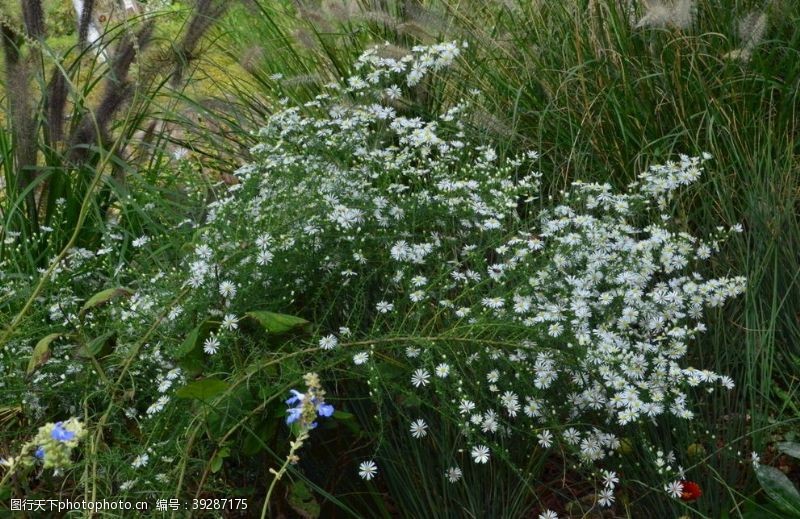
487,324
410,247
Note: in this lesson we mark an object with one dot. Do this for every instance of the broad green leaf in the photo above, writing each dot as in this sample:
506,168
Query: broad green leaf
194,340
204,389
219,457
779,488
277,323
104,296
348,420
790,449
302,500
41,352
97,347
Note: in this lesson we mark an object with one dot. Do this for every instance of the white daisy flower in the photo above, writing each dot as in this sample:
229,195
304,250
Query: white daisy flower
419,429
480,454
420,377
367,470
328,342
674,489
384,307
211,344
453,474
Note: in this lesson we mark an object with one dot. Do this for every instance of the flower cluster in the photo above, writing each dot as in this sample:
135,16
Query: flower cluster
306,406
52,445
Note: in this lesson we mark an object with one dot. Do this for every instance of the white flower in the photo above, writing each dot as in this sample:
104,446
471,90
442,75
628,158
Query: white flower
229,322
494,303
384,307
548,514
453,474
606,497
227,289
419,281
140,461
480,454
367,470
412,352
674,489
420,377
179,153
264,258
141,241
419,429
328,342
466,406
360,358
393,92
175,312
510,400
417,296
555,329
610,478
157,406
755,458
442,370
545,439
211,344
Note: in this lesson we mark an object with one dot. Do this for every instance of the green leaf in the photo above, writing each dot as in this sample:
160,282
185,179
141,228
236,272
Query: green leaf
779,488
104,296
790,449
277,323
349,421
219,457
260,435
302,500
97,347
194,340
41,352
204,389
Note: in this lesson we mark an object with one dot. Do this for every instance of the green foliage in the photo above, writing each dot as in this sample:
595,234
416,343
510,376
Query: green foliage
777,486
277,324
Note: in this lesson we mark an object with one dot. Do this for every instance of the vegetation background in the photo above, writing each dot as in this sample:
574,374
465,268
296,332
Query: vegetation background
601,88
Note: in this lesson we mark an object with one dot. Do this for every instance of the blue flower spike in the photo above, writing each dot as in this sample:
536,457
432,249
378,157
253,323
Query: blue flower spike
306,405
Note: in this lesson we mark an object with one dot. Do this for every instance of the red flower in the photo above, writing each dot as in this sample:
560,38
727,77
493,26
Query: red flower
691,491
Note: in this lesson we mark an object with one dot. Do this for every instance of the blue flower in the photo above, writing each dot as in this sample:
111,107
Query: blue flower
296,412
325,410
60,434
39,453
298,397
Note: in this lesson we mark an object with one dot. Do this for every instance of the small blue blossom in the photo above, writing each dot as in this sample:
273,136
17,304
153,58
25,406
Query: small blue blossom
39,453
325,410
294,414
60,434
298,397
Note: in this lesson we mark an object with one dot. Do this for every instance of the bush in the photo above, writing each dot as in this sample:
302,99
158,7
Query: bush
461,325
